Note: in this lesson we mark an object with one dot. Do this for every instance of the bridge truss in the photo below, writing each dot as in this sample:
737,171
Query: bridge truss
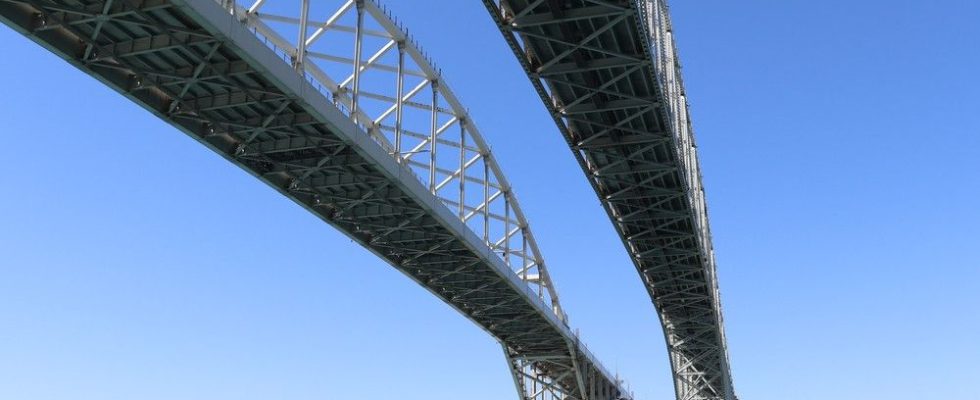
334,106
608,73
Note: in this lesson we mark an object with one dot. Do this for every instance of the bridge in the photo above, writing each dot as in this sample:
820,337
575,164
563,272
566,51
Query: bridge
335,106
609,75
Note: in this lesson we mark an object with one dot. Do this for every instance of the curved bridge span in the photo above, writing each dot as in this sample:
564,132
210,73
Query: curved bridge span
608,73
350,120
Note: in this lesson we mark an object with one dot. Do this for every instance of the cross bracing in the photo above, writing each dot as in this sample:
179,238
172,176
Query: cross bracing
352,122
608,73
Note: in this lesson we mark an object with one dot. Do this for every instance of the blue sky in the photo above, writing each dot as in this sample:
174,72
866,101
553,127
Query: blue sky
839,142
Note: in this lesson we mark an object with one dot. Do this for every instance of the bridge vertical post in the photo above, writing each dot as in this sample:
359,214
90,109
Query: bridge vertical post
358,42
304,12
462,168
577,367
516,368
524,266
507,228
486,199
432,136
398,100
534,386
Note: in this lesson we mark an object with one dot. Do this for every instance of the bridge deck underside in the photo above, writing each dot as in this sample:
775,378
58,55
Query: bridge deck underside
217,85
590,64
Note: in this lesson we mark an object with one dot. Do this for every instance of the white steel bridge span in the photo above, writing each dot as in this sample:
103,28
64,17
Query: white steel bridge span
349,119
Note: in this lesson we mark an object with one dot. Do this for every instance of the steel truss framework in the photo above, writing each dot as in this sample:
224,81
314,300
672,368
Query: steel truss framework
352,122
608,73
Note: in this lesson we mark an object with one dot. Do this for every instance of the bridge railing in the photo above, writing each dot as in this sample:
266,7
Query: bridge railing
366,63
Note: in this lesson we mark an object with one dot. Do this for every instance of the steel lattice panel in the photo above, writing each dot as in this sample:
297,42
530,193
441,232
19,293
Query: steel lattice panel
608,73
196,65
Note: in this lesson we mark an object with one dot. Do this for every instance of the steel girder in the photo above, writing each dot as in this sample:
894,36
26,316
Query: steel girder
222,75
608,73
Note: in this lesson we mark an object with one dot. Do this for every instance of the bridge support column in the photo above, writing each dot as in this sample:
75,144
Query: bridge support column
558,375
531,378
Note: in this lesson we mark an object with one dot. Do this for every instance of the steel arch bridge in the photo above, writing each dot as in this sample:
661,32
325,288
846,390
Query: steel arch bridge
334,105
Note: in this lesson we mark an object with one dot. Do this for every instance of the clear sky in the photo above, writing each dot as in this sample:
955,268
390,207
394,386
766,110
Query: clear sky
840,144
